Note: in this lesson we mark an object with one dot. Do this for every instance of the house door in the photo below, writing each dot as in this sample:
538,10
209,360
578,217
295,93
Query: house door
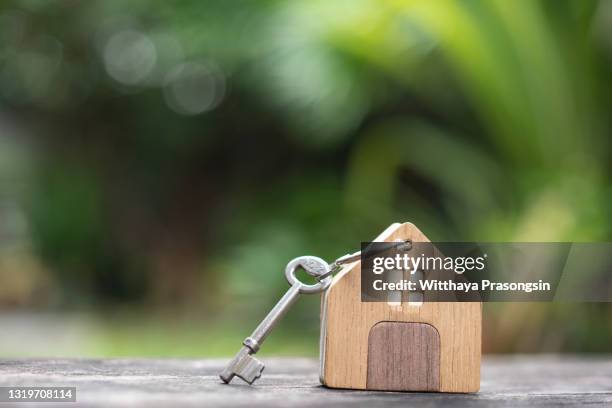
403,357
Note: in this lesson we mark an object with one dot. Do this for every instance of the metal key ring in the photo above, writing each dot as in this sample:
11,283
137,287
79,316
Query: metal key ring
315,267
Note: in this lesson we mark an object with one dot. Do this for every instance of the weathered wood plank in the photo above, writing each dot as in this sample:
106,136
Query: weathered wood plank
506,381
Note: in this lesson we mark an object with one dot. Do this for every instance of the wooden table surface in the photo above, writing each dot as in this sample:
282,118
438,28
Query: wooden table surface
506,381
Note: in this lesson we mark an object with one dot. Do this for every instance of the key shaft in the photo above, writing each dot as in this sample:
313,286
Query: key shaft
275,315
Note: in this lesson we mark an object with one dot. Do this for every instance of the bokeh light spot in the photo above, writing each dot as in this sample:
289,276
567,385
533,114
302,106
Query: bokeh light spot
129,57
193,88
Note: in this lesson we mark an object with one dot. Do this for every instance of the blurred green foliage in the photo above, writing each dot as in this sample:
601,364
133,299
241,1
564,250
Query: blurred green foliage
174,156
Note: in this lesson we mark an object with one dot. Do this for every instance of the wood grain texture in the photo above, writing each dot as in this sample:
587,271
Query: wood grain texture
403,357
346,324
508,381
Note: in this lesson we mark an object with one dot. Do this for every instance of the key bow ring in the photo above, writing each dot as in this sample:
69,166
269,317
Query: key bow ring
315,267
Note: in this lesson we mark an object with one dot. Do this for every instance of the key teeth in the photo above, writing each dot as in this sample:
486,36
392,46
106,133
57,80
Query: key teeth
244,366
255,378
251,369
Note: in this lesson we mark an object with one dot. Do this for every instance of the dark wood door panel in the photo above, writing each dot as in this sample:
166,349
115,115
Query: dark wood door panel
403,357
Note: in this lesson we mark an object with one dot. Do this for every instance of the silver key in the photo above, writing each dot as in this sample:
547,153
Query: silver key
244,365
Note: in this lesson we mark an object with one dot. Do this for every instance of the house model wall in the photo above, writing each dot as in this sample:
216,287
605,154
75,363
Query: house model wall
376,345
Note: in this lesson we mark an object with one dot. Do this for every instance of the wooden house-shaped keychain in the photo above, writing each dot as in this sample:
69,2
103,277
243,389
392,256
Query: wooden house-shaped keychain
399,346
